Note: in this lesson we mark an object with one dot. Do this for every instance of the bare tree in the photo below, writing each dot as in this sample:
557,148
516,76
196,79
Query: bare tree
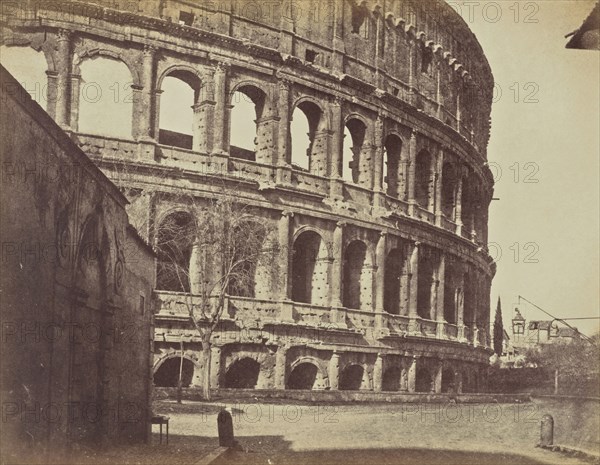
211,250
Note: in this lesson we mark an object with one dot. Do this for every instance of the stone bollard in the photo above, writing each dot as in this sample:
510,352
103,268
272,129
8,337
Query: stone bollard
225,427
547,431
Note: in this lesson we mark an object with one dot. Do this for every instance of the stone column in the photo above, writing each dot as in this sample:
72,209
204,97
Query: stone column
474,328
458,203
195,273
441,282
215,366
142,102
437,381
220,127
380,280
414,281
412,165
439,169
379,196
143,107
73,104
283,135
334,371
460,307
283,230
280,367
378,374
412,374
336,271
412,65
337,133
63,89
405,276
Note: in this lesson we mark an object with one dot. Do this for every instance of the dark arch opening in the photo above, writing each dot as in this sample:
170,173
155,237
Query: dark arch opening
354,264
242,374
393,149
351,378
451,296
303,376
423,380
424,179
391,379
448,381
449,181
424,283
175,237
393,273
469,300
167,374
304,259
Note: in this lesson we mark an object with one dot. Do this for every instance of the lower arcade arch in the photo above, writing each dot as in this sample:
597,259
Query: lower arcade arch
242,374
449,384
303,376
423,380
391,379
351,378
167,373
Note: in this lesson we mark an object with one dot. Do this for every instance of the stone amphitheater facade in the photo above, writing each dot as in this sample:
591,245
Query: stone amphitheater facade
385,274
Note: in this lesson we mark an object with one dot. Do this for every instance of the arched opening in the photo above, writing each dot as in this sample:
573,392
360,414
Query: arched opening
351,378
391,167
391,379
29,67
308,268
469,300
424,285
175,238
167,374
423,380
247,255
356,283
303,376
306,153
449,381
394,265
354,138
449,181
180,93
360,19
247,103
469,204
424,179
242,374
451,297
106,98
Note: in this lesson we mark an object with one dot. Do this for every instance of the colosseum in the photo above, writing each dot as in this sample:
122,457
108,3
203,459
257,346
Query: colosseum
369,126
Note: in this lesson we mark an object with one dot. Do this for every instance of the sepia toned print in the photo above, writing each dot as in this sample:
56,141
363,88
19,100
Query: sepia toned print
299,232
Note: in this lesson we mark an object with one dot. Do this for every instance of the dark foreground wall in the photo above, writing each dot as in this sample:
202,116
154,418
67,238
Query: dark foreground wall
76,288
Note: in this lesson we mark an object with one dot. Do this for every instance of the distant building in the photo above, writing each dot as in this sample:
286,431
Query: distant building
527,335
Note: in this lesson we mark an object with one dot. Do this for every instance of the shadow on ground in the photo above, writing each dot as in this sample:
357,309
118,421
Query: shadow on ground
393,456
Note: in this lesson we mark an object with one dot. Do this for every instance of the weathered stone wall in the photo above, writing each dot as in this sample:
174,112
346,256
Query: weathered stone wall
76,293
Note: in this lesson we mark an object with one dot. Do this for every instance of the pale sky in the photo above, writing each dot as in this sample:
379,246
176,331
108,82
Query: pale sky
544,147
554,141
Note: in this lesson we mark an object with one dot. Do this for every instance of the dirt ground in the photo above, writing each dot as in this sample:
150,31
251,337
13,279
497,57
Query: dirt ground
447,434
292,433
